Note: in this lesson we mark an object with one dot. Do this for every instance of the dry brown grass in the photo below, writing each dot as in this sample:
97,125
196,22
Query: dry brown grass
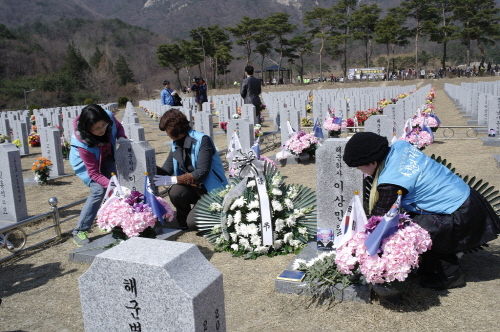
40,291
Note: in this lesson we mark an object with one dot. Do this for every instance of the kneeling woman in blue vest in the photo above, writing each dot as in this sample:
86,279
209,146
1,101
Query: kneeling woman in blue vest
456,216
192,168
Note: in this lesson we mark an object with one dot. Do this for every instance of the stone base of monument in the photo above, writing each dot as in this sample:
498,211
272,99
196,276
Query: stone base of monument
32,182
87,253
491,141
355,293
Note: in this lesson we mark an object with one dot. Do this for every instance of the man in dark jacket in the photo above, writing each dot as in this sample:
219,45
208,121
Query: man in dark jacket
250,91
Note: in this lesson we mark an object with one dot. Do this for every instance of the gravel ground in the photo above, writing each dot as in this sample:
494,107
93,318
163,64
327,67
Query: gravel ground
39,288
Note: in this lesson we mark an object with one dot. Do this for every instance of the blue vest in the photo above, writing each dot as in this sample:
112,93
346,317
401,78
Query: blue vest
216,178
432,188
76,161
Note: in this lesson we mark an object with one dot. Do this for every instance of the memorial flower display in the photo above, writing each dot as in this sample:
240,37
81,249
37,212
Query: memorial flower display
17,143
3,138
419,138
302,142
292,215
65,147
397,255
34,139
130,213
306,121
334,125
257,130
41,167
223,126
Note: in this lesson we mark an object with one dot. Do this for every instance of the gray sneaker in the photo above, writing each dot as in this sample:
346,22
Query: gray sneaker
81,239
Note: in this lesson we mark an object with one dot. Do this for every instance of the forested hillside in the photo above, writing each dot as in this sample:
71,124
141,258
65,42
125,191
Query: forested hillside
77,51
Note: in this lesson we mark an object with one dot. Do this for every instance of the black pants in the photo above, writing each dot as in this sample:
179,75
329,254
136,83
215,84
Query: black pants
438,267
183,197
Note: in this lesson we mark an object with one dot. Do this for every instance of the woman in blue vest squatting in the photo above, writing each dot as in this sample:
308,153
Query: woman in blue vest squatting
193,166
456,216
92,156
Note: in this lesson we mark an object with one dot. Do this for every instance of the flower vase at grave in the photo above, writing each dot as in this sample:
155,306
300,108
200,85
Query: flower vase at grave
390,291
118,234
304,156
434,129
334,133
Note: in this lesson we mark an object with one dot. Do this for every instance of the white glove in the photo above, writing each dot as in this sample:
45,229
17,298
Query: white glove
123,140
164,180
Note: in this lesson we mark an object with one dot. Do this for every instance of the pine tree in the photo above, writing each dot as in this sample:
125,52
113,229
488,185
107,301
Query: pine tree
125,74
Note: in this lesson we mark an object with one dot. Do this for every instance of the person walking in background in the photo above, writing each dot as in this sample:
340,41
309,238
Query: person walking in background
193,166
92,157
200,88
166,94
250,91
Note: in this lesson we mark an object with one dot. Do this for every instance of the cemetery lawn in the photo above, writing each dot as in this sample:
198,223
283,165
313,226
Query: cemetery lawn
39,288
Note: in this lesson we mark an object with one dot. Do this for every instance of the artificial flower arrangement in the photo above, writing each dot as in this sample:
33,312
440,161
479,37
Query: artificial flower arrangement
362,116
223,126
130,213
397,255
34,139
334,125
257,130
17,143
3,138
306,121
302,142
238,110
419,138
292,210
41,167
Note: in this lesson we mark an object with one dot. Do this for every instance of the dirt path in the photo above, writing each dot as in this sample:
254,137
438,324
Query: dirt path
40,288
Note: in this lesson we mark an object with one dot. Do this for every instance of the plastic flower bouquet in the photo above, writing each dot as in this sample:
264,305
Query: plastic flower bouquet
334,125
397,255
257,130
130,213
293,217
41,167
17,143
34,139
302,142
306,121
419,138
3,138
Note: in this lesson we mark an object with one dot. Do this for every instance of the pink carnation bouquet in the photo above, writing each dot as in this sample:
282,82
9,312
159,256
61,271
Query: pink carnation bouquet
397,256
130,213
302,142
331,124
419,138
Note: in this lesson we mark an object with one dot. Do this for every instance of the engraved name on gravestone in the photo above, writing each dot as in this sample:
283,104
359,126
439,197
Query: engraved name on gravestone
131,287
335,183
381,125
50,142
12,195
133,160
134,131
248,112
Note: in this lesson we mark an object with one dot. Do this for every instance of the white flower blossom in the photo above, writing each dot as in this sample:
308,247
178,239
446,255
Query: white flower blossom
234,237
256,240
215,207
276,180
219,240
303,230
253,216
277,244
238,202
276,192
251,184
295,243
279,224
230,220
277,206
293,191
244,242
234,246
261,249
217,228
297,262
289,203
237,217
288,237
291,221
253,205
252,229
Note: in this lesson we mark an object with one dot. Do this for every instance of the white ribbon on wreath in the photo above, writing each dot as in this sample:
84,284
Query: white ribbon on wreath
249,166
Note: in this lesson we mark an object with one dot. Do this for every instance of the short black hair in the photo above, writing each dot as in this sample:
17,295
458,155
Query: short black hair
249,70
165,82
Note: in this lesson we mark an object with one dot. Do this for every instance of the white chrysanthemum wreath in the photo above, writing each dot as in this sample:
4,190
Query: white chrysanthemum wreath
293,217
